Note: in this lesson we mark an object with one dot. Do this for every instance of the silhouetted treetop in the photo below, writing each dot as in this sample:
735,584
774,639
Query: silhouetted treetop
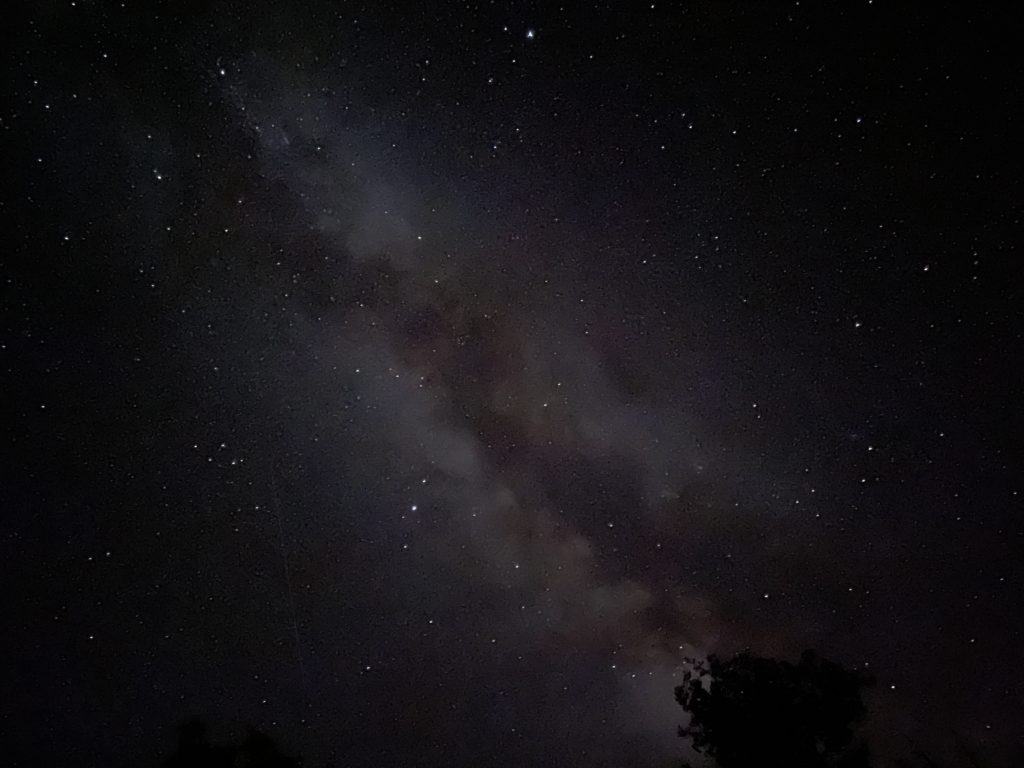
750,712
195,750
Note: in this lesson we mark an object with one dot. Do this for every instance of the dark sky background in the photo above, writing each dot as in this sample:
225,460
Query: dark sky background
422,383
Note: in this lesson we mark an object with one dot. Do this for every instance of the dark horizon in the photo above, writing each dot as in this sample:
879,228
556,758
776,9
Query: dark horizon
421,384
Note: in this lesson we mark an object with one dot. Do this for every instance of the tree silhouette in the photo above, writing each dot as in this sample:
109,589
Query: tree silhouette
195,750
751,712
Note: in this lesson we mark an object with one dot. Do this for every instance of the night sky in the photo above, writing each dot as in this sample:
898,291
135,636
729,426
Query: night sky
421,384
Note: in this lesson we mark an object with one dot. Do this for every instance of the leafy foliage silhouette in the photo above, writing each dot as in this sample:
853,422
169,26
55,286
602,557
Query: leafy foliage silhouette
750,711
195,750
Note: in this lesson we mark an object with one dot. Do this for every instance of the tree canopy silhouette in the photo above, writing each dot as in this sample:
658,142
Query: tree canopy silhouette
749,712
195,750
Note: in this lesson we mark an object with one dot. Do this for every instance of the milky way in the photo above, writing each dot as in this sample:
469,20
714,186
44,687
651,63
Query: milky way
425,388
